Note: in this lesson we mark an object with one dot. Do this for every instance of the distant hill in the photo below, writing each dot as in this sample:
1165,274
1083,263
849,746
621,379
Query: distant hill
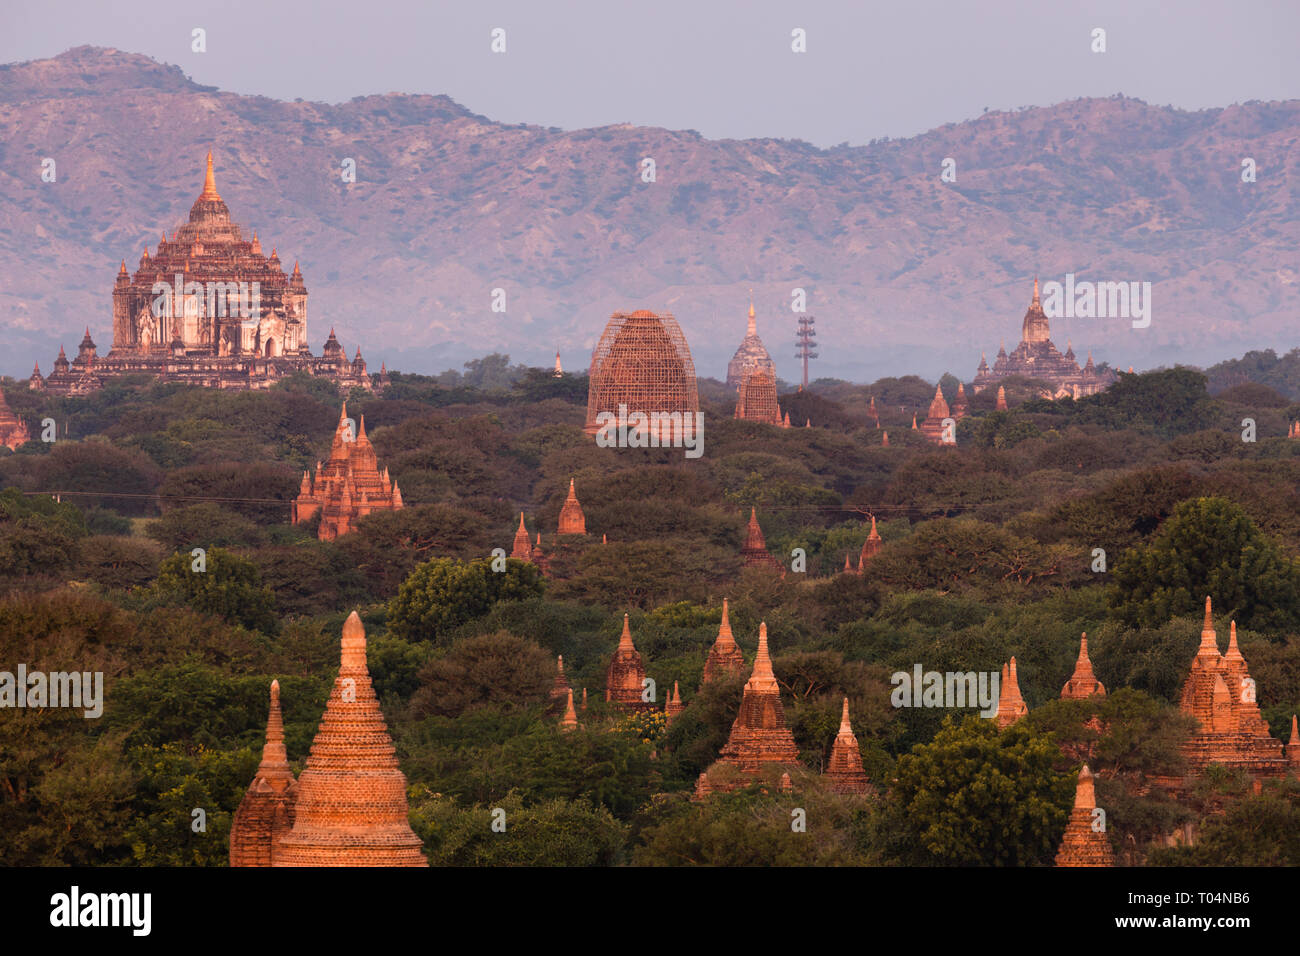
904,273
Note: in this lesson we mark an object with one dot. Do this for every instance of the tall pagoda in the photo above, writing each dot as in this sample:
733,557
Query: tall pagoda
348,486
750,357
1083,682
1085,843
625,677
266,813
844,770
725,657
351,808
753,552
572,520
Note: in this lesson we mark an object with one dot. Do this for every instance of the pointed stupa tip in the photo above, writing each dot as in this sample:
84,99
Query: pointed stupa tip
762,676
1036,290
209,183
570,719
354,642
1234,652
1209,640
724,629
1085,794
1295,738
874,533
846,727
625,639
521,522
559,665
753,326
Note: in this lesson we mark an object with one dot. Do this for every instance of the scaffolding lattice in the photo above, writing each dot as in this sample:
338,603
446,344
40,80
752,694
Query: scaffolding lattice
757,399
642,362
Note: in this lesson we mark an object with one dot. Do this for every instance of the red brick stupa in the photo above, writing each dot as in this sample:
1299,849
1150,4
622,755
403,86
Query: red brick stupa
351,808
754,553
13,432
932,427
725,657
759,736
756,401
347,487
1082,845
625,678
871,547
1011,706
572,520
266,812
1220,694
523,545
844,770
1082,683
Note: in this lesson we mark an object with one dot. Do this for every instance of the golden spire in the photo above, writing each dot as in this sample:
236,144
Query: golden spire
1036,304
753,328
209,184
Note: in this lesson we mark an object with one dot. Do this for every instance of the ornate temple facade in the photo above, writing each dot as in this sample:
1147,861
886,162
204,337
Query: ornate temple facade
348,808
207,307
725,657
756,401
750,357
1084,844
347,487
1038,358
13,433
1221,695
641,366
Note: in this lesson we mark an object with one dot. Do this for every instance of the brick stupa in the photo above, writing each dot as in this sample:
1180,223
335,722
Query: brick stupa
347,487
523,545
13,432
871,547
759,736
572,520
560,686
754,552
625,677
932,427
1220,694
750,357
1011,706
266,813
351,808
1082,845
844,770
725,657
756,401
1083,682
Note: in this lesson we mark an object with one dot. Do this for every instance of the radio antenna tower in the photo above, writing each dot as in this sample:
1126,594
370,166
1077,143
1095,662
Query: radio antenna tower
807,343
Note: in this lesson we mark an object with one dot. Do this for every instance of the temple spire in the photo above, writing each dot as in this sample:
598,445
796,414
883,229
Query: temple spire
753,327
570,719
762,678
209,184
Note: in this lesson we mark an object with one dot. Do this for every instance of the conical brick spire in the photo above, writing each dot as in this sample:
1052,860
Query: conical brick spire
625,677
884,439
351,807
871,547
560,686
844,770
572,520
1011,706
674,706
570,719
1085,842
522,547
759,735
1082,683
754,552
267,811
725,656
1002,399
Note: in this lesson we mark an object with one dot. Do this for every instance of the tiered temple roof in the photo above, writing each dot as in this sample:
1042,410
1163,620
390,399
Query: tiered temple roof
625,677
266,813
1036,357
725,657
1220,694
13,433
1011,706
750,357
351,808
1083,682
231,318
844,769
572,520
347,487
1083,845
523,545
754,552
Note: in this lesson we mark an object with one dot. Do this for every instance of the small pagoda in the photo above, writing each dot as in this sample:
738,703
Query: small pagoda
844,771
1084,844
725,658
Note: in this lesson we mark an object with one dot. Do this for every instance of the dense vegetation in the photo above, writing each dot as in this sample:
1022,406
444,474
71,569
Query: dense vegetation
991,549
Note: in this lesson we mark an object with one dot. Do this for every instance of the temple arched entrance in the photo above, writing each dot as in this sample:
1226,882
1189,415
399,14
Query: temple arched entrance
270,350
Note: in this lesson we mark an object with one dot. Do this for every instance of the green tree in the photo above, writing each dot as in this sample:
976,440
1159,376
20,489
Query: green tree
442,594
975,796
1209,546
230,588
490,669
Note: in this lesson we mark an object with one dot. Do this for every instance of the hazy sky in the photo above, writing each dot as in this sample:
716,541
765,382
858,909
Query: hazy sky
722,67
